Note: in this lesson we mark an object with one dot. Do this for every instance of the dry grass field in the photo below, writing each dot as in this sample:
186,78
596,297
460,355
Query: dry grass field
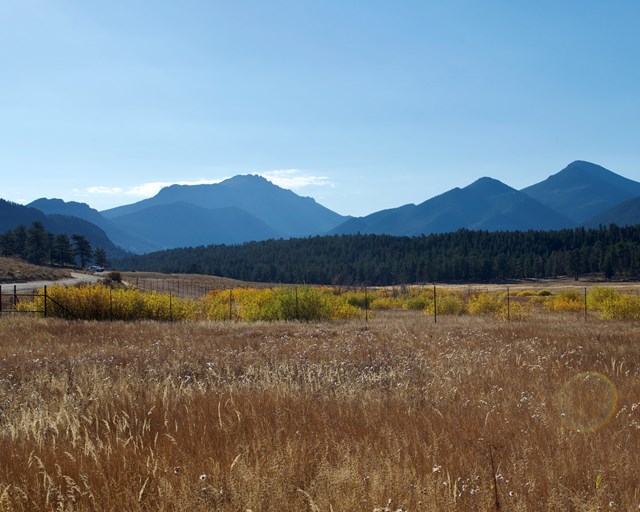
17,270
404,414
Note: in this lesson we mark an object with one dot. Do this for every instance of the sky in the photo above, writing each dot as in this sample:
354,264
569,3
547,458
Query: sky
362,105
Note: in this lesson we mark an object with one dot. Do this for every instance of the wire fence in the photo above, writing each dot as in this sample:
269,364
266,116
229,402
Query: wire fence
166,299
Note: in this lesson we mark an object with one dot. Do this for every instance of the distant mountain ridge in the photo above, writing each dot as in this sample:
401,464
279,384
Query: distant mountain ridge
582,190
12,215
251,208
285,212
486,204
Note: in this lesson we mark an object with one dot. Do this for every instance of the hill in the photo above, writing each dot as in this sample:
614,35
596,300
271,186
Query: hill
626,213
583,190
12,215
183,224
283,211
486,204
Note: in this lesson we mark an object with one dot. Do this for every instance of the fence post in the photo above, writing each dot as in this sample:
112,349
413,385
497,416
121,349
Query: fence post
45,301
585,303
111,304
435,305
230,304
297,311
508,306
170,307
366,306
15,295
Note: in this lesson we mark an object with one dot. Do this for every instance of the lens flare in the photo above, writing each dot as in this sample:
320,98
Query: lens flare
587,401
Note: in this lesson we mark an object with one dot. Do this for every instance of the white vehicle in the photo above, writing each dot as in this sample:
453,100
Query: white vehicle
95,268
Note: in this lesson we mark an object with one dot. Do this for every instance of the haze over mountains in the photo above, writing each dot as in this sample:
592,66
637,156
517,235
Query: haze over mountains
250,208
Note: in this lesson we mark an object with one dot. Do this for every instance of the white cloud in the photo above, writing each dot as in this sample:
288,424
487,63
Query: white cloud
150,189
291,179
101,190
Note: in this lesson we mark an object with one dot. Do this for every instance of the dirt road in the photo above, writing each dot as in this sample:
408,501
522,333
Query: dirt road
75,278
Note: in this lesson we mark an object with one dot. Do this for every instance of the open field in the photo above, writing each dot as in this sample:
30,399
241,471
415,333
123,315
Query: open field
404,414
17,270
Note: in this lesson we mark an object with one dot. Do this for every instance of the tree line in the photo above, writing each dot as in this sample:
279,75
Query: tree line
38,246
465,255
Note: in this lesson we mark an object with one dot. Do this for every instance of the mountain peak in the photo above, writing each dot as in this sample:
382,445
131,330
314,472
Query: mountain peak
488,185
583,189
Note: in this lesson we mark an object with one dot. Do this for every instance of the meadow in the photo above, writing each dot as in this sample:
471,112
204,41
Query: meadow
401,413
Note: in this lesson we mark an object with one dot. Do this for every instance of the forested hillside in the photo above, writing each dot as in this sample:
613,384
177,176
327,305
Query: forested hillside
381,260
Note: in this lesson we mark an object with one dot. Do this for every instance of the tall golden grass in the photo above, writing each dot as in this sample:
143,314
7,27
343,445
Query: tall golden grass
404,414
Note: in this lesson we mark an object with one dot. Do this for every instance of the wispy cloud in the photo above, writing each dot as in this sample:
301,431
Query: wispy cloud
101,190
152,188
295,179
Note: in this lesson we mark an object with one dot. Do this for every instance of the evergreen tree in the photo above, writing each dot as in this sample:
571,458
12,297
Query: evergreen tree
100,257
37,244
83,249
63,253
20,238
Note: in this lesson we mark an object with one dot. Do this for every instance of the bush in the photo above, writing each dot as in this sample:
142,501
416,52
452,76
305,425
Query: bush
485,304
447,304
598,296
566,301
623,307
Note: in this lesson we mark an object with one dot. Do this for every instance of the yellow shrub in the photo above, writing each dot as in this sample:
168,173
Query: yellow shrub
598,296
447,304
623,307
566,301
485,304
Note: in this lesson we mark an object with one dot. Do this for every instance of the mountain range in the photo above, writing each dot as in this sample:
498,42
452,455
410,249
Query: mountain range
250,208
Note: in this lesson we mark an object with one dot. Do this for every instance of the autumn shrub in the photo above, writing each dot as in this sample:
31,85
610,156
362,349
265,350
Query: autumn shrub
566,301
418,301
598,296
622,307
485,304
447,303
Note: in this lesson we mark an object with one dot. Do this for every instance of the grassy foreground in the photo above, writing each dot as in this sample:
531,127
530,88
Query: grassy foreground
406,415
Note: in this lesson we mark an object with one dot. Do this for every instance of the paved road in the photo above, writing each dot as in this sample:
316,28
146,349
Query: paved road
74,279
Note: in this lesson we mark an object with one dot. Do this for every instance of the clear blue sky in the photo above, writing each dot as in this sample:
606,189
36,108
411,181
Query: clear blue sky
363,105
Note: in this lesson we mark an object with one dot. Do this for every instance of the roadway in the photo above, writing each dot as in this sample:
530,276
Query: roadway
76,278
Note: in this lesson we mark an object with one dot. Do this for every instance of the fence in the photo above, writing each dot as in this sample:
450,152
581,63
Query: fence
173,299
9,301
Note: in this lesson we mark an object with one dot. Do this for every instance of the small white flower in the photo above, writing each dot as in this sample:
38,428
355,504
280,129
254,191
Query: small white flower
436,469
203,477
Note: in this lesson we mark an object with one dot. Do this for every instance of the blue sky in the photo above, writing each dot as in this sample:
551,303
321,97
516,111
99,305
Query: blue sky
363,105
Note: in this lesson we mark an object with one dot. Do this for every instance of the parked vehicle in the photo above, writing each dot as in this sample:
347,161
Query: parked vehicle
95,268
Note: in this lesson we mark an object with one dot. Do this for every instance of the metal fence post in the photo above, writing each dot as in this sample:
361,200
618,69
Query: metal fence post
508,306
45,301
435,305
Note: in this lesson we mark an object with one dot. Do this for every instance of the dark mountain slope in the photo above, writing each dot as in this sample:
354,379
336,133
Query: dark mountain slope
583,190
119,236
626,213
284,211
12,215
486,204
181,224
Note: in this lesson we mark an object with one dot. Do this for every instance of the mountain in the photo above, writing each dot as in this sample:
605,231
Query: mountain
626,213
69,208
12,215
486,204
583,190
120,237
286,213
183,224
